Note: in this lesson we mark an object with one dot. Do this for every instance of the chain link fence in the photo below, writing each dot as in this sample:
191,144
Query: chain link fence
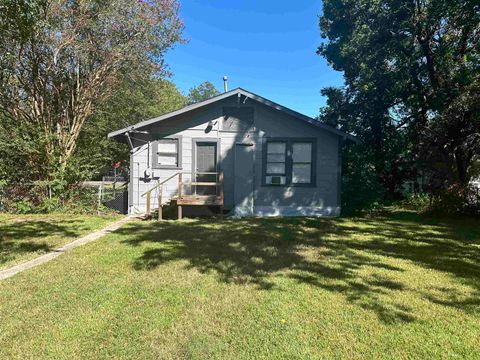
109,194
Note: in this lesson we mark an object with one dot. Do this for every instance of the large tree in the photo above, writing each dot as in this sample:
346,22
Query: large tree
412,82
60,59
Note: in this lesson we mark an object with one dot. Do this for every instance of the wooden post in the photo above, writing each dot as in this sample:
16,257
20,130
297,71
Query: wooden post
179,207
220,180
148,203
160,215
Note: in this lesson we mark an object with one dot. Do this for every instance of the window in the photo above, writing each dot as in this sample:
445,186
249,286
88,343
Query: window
289,161
166,153
276,162
301,163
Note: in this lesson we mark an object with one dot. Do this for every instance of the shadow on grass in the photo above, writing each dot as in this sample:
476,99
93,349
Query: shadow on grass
21,237
328,253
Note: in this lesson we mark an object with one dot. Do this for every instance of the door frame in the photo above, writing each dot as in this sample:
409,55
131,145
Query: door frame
194,154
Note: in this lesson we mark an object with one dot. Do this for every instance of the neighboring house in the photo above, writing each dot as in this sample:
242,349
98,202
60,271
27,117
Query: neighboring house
274,161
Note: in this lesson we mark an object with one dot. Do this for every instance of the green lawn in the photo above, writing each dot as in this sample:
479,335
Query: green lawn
395,286
24,237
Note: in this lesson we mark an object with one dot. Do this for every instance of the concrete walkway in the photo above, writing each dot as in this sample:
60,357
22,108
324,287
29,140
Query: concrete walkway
4,274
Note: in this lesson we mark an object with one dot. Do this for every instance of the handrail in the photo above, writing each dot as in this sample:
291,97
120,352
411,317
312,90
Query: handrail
218,184
161,183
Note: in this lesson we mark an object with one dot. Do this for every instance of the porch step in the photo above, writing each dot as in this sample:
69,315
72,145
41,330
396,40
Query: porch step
199,200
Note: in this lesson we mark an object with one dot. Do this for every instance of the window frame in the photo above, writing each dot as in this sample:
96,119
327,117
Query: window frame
289,161
303,162
155,163
276,162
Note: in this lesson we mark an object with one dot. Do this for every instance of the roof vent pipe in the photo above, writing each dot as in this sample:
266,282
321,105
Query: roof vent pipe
225,83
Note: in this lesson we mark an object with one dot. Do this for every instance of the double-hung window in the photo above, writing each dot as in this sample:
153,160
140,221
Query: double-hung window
289,161
276,164
302,162
166,153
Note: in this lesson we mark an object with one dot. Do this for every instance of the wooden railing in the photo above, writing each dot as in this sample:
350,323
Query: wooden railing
180,195
160,193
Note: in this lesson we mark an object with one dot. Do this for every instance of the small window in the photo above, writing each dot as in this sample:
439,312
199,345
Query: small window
301,163
166,153
276,162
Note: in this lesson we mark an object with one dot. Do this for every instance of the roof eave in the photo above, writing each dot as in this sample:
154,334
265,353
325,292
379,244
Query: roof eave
174,113
233,92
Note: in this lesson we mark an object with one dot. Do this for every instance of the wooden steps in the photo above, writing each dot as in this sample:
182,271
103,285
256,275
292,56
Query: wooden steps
190,199
199,200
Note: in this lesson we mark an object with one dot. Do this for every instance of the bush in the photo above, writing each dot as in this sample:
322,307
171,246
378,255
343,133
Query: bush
38,198
49,205
82,200
23,206
417,201
457,199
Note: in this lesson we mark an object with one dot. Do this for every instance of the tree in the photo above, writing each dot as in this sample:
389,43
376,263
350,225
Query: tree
412,83
60,59
201,92
132,101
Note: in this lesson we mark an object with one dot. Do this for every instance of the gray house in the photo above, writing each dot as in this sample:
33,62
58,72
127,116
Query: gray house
237,152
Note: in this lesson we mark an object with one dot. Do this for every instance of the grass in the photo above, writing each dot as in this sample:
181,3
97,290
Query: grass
391,286
24,237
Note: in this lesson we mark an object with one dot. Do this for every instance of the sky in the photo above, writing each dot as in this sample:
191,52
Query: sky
264,46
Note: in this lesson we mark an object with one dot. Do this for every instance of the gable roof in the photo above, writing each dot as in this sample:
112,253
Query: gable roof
237,92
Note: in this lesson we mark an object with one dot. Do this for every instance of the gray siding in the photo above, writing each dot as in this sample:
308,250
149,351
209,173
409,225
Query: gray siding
323,199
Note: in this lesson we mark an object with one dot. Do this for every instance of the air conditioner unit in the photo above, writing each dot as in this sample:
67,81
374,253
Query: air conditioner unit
275,180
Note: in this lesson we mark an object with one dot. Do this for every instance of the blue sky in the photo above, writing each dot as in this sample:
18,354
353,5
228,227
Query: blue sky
267,47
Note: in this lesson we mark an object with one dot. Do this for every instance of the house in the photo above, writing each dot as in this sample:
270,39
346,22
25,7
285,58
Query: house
238,152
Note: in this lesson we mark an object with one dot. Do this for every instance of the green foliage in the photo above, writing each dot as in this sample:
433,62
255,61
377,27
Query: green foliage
457,199
62,60
411,85
202,92
361,189
23,206
134,100
98,68
42,199
48,205
420,202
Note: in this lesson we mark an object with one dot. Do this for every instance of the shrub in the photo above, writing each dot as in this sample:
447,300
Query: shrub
39,198
417,201
23,206
49,205
456,199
